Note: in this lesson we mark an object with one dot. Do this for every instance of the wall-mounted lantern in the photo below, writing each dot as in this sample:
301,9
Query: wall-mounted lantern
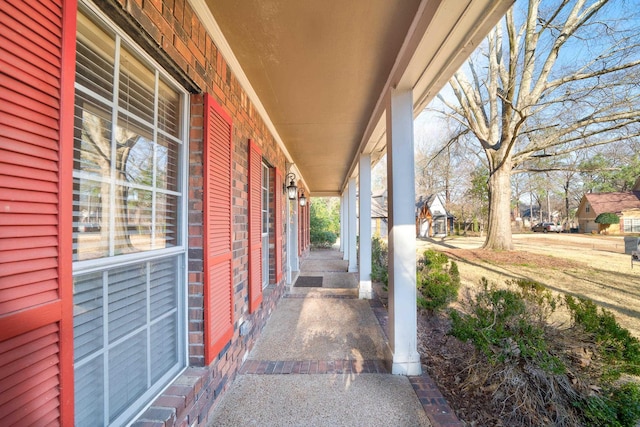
303,200
291,189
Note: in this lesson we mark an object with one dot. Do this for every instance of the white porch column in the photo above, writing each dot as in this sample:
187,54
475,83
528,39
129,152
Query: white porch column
405,359
365,226
292,240
353,217
345,224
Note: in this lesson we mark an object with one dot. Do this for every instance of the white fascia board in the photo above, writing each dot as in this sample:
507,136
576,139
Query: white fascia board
473,24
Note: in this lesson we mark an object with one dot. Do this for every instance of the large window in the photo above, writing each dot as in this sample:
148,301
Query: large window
632,225
128,244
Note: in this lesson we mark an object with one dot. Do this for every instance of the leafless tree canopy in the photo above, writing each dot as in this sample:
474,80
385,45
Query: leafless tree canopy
556,76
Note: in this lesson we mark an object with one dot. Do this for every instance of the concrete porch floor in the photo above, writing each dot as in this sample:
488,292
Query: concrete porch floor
320,362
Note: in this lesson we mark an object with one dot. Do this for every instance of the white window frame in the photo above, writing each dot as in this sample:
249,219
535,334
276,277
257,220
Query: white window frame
179,251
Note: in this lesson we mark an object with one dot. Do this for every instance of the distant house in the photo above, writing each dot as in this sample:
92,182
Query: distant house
625,204
432,218
379,214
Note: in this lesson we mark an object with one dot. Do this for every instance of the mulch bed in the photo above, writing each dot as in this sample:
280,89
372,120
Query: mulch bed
520,258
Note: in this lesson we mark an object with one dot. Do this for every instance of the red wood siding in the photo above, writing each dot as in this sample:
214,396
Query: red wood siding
218,274
277,194
255,226
37,66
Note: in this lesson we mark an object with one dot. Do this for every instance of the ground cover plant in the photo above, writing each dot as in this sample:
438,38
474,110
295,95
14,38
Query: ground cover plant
541,372
438,280
579,349
379,261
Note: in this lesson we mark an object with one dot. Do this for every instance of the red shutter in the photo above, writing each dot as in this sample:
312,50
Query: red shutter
37,59
277,194
255,226
218,269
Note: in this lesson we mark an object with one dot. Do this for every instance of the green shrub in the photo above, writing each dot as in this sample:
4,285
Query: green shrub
434,259
616,345
617,407
532,364
438,280
506,324
324,221
379,261
607,218
323,239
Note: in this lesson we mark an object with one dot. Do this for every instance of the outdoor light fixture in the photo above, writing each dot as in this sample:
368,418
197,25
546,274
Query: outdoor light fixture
291,189
303,200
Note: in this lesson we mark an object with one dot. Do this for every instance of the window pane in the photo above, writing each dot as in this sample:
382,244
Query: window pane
137,87
94,58
92,137
169,110
127,300
134,152
166,226
90,232
168,161
87,314
139,221
164,276
164,339
89,393
127,373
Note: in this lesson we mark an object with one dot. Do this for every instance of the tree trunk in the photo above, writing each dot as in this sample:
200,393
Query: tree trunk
566,205
499,231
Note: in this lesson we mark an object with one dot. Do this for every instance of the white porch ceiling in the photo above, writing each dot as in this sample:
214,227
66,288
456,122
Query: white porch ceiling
319,71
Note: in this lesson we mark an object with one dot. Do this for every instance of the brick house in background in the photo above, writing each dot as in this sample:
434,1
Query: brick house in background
145,234
625,204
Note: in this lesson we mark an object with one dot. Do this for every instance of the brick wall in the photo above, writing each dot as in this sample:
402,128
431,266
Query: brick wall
171,32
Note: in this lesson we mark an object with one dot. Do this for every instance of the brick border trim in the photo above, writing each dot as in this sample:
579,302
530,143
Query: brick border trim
326,296
434,404
346,366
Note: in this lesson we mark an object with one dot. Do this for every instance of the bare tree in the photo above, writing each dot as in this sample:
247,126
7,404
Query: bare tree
98,156
446,164
443,167
557,77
